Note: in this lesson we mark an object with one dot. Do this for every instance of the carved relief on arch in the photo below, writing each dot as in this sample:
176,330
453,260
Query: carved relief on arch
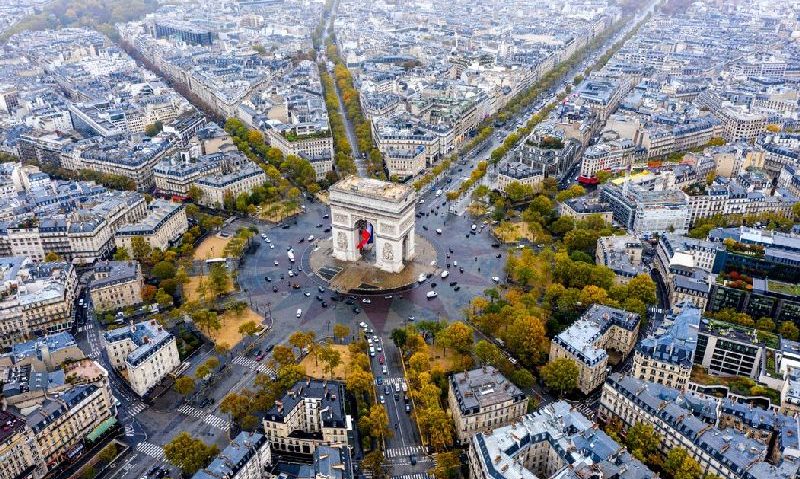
388,252
341,241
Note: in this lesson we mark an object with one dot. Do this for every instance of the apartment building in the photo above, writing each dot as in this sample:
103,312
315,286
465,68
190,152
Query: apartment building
643,211
61,424
661,141
615,155
309,415
45,354
328,463
311,142
144,351
404,163
555,442
688,266
242,180
733,197
19,454
738,123
588,340
583,207
517,172
175,175
248,456
116,285
482,400
164,224
691,422
666,356
35,298
622,254
729,349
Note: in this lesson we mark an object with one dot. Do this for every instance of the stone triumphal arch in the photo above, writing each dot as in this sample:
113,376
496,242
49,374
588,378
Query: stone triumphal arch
369,215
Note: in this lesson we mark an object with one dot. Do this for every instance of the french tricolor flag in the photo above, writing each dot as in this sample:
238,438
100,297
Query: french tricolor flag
366,236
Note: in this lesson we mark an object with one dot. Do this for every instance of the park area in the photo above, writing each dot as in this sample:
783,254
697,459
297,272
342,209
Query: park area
446,361
211,247
316,368
193,289
230,322
511,232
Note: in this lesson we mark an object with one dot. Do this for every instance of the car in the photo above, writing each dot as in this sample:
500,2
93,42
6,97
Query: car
387,389
396,397
319,298
356,310
495,245
363,325
327,230
306,294
260,356
282,277
274,289
285,226
411,318
438,231
324,304
334,298
276,262
267,279
425,227
431,294
321,289
499,255
413,459
445,273
496,279
379,381
453,283
295,286
372,351
457,288
366,300
408,407
301,240
380,359
433,285
385,370
291,274
388,296
267,240
319,225
325,216
272,246
461,270
311,238
349,302
383,400
378,345
299,312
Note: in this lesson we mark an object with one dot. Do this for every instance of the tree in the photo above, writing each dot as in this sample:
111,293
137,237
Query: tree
108,453
52,257
340,331
522,378
331,357
302,340
219,279
237,405
283,356
376,422
184,385
765,324
560,374
789,330
447,465
373,462
140,248
643,441
248,329
195,193
121,254
359,382
153,129
488,353
163,299
680,465
188,453
643,288
458,336
399,337
163,270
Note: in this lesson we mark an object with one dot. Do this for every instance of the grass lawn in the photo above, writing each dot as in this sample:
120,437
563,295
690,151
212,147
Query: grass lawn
784,288
446,362
317,370
190,288
229,332
519,230
211,247
278,214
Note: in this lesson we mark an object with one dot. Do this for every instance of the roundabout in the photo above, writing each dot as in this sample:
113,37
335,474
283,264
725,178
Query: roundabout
364,277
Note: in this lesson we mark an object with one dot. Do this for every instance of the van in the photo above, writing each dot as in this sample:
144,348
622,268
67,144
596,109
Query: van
299,312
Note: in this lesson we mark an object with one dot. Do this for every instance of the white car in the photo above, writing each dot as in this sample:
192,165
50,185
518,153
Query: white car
438,231
307,294
496,279
385,369
372,351
291,273
445,274
310,238
431,294
299,312
272,246
363,324
366,300
383,400
276,262
421,278
263,236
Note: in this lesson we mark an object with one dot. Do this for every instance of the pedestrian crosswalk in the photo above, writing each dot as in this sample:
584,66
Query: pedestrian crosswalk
191,411
136,408
209,419
403,451
396,383
152,450
420,475
217,422
254,365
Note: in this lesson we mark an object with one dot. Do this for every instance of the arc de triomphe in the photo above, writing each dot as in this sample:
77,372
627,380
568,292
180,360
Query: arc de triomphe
356,203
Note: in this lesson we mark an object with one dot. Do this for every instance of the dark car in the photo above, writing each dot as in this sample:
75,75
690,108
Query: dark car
334,298
495,245
327,230
325,217
387,390
319,298
499,255
457,288
324,304
396,397
321,289
295,286
425,227
413,459
349,302
453,283
356,310
286,227
301,240
433,285
274,289
319,225
267,279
